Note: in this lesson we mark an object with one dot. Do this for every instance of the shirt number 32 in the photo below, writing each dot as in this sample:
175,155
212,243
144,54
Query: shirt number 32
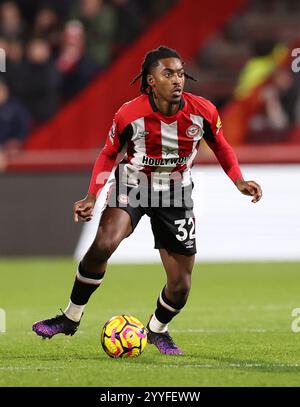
186,229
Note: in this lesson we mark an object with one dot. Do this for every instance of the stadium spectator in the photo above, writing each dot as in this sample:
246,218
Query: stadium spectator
14,121
266,57
157,8
47,26
42,81
76,67
130,22
100,23
11,23
16,68
61,7
35,33
278,113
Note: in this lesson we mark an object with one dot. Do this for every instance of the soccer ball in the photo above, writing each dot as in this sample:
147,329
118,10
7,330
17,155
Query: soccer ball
123,336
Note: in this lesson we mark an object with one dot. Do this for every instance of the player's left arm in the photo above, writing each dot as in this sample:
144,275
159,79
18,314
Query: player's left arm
250,188
213,135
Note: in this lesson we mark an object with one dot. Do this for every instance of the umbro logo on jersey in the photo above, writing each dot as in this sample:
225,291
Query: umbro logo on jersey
143,133
193,131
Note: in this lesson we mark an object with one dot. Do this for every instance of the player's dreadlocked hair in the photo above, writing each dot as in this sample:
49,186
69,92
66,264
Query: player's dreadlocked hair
151,61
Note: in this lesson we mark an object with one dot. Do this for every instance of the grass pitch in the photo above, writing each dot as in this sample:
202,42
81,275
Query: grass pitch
235,329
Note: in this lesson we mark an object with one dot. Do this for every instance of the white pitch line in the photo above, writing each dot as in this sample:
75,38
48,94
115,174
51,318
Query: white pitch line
34,368
228,366
265,307
241,365
221,330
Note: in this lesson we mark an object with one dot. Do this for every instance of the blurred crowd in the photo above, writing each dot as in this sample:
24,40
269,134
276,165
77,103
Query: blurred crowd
245,69
54,48
277,99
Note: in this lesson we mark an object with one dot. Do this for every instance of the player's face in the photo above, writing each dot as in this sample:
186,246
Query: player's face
167,80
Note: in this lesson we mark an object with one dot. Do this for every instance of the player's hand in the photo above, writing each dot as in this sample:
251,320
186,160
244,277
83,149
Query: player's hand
83,209
250,188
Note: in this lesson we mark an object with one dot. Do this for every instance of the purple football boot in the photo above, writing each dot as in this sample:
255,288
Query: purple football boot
57,325
163,342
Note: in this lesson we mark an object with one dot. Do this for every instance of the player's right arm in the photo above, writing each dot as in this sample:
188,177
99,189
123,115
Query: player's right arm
103,166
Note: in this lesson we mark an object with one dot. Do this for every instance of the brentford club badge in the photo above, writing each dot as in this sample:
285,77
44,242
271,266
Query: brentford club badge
193,131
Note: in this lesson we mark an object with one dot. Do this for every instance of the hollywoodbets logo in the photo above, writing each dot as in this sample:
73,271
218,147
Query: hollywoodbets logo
158,162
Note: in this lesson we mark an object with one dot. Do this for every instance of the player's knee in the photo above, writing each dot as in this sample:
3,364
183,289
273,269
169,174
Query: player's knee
103,248
180,289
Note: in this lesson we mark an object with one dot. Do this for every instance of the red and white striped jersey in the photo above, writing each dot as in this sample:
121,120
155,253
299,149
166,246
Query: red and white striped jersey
159,145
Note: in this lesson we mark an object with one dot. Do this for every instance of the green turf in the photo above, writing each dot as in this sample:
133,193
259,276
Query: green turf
235,329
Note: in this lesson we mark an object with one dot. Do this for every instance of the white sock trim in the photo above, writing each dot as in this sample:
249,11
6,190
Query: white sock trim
156,326
165,305
88,280
73,311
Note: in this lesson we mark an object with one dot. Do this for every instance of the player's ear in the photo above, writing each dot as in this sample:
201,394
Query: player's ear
150,80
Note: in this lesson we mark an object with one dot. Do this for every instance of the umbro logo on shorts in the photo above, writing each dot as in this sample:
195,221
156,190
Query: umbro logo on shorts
189,244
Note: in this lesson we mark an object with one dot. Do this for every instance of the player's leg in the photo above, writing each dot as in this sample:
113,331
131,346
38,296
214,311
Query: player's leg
171,300
174,232
114,226
174,295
